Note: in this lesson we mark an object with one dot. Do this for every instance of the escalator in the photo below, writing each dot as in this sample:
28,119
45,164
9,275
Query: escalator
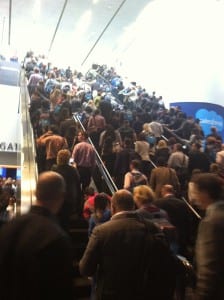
101,179
29,172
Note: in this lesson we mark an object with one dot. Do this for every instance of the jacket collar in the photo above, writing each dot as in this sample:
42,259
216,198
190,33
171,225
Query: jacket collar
40,210
124,215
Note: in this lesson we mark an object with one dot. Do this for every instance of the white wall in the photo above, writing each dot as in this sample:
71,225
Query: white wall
10,123
176,48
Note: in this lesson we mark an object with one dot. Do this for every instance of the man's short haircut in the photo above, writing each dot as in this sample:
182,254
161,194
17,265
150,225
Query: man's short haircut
136,164
101,201
210,184
89,191
123,200
83,133
179,147
54,128
49,185
161,161
63,157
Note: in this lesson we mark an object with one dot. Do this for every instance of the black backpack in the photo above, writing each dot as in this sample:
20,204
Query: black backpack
158,266
138,178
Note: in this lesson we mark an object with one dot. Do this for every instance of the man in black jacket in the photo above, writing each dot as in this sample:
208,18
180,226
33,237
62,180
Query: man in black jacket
35,254
198,159
206,190
130,256
179,216
73,195
123,160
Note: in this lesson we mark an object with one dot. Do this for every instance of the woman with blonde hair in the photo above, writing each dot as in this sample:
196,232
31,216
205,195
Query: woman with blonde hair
144,197
149,136
55,98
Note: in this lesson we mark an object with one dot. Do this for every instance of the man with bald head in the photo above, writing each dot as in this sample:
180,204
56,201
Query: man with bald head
118,253
35,254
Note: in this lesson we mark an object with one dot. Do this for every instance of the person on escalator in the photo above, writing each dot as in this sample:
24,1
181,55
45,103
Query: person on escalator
135,177
89,198
73,198
95,127
122,162
84,157
101,213
163,175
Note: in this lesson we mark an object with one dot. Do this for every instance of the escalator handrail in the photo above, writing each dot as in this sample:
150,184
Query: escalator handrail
191,208
112,186
28,151
182,141
165,138
153,164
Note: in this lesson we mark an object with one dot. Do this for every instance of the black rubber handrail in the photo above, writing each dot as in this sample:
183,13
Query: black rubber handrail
179,139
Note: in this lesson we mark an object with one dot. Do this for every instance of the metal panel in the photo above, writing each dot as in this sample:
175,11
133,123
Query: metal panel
9,73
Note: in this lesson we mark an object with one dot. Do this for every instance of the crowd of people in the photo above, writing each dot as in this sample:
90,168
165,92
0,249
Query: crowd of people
9,197
152,172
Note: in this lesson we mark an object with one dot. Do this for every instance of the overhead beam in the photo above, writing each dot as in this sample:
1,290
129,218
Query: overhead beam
10,22
3,29
57,26
102,33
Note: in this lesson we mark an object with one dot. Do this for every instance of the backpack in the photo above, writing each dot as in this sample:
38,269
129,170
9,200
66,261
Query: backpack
182,171
158,266
138,178
49,87
156,216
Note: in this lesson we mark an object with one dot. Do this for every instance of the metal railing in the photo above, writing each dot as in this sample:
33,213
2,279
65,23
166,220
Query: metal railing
28,151
191,208
179,139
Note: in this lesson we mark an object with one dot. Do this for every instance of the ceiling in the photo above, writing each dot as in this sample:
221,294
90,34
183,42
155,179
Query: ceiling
33,25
